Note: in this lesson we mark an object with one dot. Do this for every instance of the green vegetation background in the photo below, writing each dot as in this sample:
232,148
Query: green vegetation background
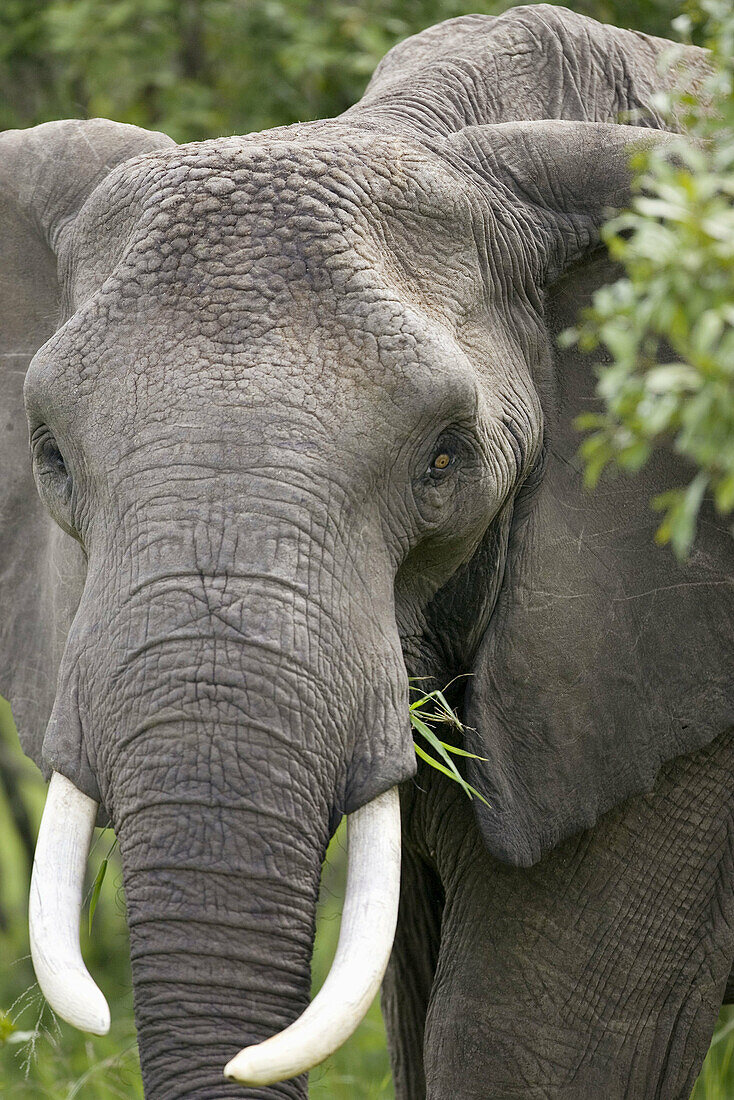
197,69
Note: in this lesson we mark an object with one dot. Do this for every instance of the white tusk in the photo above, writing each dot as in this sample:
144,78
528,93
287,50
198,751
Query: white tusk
55,905
365,941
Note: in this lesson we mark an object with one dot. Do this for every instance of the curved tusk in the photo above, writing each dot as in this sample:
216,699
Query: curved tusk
55,904
365,941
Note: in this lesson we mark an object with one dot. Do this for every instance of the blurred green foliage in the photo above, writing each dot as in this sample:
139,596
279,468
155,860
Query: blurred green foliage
668,322
40,1058
200,68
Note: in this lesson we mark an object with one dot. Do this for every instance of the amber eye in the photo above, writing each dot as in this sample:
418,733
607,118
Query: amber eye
445,456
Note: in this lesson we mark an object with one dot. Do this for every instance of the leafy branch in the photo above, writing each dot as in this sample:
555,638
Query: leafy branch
676,247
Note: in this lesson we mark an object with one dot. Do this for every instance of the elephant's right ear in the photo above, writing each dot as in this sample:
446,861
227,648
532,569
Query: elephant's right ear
46,175
48,172
604,657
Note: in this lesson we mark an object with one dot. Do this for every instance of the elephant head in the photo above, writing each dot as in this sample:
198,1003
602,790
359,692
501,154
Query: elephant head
297,432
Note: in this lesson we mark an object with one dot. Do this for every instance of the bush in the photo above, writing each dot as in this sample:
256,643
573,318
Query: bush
668,322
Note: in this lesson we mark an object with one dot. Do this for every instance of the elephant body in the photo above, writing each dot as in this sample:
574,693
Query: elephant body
600,971
300,431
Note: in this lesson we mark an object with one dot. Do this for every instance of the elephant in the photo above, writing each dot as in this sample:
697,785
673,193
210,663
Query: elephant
300,431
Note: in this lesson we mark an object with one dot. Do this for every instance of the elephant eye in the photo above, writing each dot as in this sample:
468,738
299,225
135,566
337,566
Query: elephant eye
52,476
46,454
442,461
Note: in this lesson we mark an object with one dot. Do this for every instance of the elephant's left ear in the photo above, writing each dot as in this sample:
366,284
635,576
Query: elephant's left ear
604,657
554,182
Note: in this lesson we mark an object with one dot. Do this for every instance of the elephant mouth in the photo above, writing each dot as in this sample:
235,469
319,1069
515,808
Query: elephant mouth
367,931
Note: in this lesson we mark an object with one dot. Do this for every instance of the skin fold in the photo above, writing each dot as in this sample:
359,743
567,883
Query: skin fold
299,431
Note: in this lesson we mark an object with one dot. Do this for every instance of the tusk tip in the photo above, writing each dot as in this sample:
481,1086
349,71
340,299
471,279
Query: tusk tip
75,998
264,1064
243,1068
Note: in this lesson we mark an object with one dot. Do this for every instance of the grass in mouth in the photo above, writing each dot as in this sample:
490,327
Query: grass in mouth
432,708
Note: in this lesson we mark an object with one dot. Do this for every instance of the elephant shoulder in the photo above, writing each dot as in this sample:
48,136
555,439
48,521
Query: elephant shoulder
533,62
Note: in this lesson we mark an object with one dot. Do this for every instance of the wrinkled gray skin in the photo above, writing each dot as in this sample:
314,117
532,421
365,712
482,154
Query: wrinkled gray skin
253,350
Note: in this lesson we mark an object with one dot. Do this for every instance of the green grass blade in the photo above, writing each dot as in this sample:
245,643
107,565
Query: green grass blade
450,713
435,743
99,879
441,712
420,703
481,797
433,762
461,752
450,766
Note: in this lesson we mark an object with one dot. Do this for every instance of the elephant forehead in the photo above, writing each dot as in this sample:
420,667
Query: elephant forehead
336,275
258,223
284,173
379,362
243,259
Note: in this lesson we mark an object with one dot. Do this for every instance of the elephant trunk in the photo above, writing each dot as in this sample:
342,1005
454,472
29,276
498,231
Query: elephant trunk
224,757
365,941
221,900
368,928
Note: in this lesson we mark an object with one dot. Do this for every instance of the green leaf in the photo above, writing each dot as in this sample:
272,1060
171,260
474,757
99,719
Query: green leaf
681,507
476,794
675,245
462,752
96,888
434,742
442,712
672,376
472,792
7,1028
724,494
432,761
